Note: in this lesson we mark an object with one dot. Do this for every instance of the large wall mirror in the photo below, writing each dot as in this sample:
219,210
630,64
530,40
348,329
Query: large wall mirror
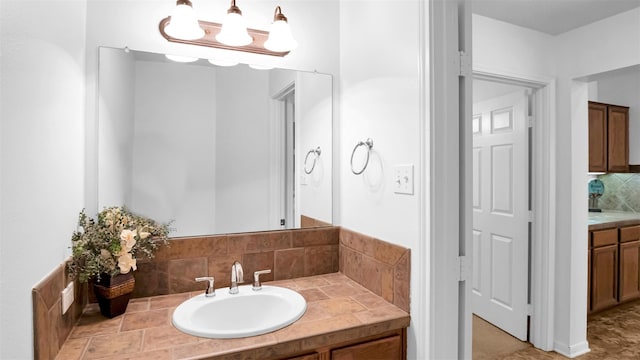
214,149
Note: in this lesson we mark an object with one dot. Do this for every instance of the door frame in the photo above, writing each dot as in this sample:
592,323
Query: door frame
447,222
543,187
282,204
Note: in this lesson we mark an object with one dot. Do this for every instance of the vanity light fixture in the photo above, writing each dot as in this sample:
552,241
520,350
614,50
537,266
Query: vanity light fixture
232,34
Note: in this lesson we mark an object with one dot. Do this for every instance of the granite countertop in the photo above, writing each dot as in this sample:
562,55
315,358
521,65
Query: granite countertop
611,218
338,308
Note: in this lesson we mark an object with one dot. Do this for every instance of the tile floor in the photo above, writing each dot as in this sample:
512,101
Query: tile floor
612,334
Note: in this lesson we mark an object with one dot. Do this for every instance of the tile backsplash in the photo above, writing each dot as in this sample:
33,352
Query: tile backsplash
621,192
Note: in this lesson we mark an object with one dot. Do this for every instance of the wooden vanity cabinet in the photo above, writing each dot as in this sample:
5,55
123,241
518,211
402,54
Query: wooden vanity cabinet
388,348
629,253
604,269
391,345
608,138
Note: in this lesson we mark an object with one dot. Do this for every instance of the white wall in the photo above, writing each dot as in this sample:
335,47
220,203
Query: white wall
242,180
603,46
313,122
174,155
115,138
379,99
41,153
500,47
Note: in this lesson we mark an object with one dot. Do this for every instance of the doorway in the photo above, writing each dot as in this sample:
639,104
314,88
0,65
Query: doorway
283,186
532,321
501,205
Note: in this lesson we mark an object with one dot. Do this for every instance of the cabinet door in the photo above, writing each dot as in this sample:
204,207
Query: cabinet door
384,349
589,266
604,277
597,137
629,270
618,139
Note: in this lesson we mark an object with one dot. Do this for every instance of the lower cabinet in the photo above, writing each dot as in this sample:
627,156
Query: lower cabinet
614,267
604,277
388,346
629,263
629,272
384,349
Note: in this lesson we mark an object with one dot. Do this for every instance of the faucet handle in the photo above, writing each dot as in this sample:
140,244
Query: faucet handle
256,279
210,291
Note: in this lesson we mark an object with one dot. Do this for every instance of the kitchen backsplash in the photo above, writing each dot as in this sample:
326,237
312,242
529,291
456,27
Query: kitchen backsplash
621,192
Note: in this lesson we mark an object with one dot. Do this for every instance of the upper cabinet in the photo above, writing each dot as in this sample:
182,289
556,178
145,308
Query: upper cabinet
608,138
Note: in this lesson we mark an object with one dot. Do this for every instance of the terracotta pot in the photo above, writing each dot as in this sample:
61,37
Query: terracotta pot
113,293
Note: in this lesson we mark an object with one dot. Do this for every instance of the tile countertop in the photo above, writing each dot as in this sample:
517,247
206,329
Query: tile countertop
610,218
337,308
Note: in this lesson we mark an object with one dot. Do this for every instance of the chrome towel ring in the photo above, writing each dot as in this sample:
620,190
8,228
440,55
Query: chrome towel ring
369,144
315,151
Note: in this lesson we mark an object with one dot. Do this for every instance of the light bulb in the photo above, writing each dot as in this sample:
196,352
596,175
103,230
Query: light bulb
183,23
234,30
280,37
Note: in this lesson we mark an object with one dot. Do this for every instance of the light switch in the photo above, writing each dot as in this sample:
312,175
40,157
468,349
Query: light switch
403,179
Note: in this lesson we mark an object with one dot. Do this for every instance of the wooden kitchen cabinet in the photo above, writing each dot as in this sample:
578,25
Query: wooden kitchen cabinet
614,267
604,269
608,138
629,254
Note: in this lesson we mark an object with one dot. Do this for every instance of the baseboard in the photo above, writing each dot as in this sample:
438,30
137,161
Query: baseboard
573,350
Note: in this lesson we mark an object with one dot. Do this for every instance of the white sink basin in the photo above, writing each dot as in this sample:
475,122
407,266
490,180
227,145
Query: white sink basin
247,313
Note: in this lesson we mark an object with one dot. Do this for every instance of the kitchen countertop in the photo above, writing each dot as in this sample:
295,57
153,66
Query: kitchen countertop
338,308
611,218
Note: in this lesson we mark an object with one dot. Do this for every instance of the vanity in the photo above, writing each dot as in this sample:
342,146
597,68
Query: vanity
343,320
356,289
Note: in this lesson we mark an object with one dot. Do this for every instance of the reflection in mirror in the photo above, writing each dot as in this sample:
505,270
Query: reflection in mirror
214,149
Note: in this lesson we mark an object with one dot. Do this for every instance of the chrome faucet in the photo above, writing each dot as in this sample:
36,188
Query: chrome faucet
257,286
237,277
210,291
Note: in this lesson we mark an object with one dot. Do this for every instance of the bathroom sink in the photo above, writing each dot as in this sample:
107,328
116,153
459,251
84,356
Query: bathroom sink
247,313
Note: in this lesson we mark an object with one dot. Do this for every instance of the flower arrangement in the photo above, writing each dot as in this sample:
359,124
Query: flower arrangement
111,243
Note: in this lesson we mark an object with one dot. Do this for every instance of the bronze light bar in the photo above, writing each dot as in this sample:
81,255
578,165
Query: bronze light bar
209,39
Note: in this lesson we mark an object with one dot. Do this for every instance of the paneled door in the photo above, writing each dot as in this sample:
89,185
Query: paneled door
501,212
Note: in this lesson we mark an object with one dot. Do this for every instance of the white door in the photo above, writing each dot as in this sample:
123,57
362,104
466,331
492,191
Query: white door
500,212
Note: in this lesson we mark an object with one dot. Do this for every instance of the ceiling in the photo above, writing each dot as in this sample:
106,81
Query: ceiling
551,16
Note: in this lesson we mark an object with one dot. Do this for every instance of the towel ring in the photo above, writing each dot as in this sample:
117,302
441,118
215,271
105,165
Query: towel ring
315,151
369,144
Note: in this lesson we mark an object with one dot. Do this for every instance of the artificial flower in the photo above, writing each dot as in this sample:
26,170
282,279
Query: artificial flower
126,262
128,238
